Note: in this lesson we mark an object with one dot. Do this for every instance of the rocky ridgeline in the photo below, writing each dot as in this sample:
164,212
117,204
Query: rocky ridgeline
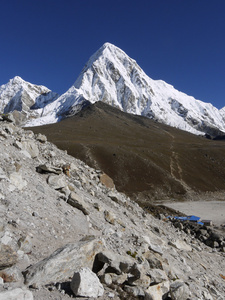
65,232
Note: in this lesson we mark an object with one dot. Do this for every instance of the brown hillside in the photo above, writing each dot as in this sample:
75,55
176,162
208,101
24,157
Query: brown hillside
142,156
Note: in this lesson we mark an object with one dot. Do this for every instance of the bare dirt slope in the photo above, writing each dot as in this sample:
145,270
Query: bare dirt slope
146,159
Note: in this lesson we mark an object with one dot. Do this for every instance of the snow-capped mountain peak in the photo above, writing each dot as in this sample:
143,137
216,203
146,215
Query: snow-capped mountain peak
111,76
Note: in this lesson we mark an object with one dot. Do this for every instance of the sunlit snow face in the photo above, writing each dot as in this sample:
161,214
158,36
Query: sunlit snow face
113,77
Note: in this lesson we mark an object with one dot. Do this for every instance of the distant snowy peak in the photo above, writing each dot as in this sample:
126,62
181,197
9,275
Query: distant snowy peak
23,98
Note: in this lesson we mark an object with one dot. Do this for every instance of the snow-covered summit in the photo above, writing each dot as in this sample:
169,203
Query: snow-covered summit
23,98
113,77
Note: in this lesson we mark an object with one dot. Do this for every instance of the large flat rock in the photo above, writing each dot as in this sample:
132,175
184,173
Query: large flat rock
62,263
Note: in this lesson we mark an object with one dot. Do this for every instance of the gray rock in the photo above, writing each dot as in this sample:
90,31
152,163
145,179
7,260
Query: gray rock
154,243
46,168
139,272
144,281
60,265
158,291
135,291
179,291
121,264
106,279
31,147
76,201
57,181
17,294
119,279
157,275
154,261
85,283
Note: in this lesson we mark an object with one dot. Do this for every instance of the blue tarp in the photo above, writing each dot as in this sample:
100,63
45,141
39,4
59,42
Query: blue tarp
193,218
188,218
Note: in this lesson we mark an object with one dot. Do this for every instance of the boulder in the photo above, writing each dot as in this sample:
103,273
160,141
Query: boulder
76,201
179,291
85,283
31,147
154,243
139,275
8,256
106,279
17,294
120,264
60,265
158,291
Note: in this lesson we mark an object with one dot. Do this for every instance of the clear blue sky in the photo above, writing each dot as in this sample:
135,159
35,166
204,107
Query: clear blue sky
179,41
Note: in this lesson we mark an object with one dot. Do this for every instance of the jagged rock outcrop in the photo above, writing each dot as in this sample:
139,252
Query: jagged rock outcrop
47,239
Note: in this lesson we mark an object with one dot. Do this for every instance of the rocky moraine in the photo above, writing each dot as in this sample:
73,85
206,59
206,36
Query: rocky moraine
66,232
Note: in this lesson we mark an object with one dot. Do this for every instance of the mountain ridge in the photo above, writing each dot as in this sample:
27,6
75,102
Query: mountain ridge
111,76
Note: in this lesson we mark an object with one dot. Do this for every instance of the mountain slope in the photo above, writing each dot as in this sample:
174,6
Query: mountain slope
55,224
25,99
111,76
153,160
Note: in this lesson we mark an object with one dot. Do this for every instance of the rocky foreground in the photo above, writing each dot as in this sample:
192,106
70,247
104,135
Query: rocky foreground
65,232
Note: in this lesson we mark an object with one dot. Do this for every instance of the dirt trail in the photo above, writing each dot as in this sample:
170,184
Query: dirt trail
175,167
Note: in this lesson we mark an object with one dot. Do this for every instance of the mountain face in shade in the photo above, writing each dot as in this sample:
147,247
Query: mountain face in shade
111,76
24,99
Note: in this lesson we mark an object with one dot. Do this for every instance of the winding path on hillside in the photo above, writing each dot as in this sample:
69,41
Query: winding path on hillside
175,167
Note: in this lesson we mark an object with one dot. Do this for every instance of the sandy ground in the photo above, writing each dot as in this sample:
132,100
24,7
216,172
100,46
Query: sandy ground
206,210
